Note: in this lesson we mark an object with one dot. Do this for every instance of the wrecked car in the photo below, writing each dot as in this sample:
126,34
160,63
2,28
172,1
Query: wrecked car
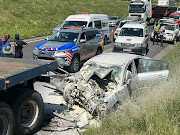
108,79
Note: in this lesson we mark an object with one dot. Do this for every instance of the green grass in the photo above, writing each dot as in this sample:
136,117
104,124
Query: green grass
154,111
39,17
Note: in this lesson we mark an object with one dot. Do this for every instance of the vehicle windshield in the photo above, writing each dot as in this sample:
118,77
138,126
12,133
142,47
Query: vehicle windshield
121,24
113,18
178,9
90,67
169,27
175,17
136,8
134,32
64,37
75,23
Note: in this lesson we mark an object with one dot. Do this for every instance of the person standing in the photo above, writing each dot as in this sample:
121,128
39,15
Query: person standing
156,30
19,45
162,31
4,43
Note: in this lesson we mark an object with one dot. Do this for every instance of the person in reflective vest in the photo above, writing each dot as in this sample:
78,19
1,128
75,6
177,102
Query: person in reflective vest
156,32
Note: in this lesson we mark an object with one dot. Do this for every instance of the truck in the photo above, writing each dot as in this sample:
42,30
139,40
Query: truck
21,107
147,12
141,8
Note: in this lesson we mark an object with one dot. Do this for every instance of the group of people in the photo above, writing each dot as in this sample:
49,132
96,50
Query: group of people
6,50
159,31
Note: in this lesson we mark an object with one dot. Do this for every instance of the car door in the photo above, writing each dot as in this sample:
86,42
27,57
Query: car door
151,71
83,46
90,47
131,77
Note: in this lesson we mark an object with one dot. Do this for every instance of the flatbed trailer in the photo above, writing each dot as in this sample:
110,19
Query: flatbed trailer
21,107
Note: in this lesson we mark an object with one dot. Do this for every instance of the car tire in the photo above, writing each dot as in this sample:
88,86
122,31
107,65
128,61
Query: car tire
75,64
6,119
105,40
145,52
113,39
99,51
174,41
28,111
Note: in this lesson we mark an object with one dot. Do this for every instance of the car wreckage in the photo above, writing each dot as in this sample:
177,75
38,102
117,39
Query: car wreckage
108,79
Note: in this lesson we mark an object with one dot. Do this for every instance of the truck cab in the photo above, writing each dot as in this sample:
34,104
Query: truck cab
141,8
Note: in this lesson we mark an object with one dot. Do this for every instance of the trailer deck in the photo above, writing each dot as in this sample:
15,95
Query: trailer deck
13,71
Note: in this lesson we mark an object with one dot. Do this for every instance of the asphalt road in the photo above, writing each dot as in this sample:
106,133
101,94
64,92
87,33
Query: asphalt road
153,49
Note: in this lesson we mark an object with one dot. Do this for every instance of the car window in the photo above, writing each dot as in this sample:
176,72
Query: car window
90,25
147,65
83,36
90,35
97,24
135,32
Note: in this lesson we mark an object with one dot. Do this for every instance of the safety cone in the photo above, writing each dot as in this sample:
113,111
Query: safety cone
112,32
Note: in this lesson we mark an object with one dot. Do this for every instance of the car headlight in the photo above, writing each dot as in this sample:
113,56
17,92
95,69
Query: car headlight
117,44
36,50
60,55
138,45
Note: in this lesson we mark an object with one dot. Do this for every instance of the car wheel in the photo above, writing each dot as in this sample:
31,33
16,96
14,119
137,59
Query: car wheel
99,51
28,111
105,40
114,38
6,119
145,52
75,64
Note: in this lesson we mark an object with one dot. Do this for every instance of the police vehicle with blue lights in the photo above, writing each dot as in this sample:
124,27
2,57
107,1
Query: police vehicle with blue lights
70,47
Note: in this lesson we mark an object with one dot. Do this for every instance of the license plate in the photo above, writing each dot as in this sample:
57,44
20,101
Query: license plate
127,50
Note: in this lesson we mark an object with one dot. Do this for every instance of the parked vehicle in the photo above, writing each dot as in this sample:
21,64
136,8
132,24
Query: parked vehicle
141,8
108,79
88,20
71,46
21,107
114,21
172,32
163,3
178,10
176,17
133,38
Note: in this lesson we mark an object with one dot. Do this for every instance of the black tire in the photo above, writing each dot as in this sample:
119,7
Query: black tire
75,64
28,111
105,40
6,119
113,39
99,51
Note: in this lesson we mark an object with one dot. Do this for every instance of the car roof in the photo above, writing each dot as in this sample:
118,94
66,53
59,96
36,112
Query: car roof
77,30
175,14
133,25
84,17
118,59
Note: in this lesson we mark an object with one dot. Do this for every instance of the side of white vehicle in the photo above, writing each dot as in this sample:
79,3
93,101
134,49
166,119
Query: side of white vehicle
137,73
171,35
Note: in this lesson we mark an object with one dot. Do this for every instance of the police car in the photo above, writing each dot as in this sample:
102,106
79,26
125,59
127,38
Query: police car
70,46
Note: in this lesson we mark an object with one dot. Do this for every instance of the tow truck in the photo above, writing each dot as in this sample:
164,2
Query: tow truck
21,107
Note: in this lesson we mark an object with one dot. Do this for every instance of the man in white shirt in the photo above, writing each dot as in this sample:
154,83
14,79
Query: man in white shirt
162,31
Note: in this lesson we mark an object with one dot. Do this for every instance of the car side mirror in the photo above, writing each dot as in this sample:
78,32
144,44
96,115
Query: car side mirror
46,39
82,41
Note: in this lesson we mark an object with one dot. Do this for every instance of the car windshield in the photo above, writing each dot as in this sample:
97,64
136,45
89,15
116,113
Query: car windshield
75,23
121,24
131,18
175,17
135,32
113,18
90,67
64,37
169,27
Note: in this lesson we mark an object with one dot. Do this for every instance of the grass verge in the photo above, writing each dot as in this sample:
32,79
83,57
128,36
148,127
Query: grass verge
156,110
39,17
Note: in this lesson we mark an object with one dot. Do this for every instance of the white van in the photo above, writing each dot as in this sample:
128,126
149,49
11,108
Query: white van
88,20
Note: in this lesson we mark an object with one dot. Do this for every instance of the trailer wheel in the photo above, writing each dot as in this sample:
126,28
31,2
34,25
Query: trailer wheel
6,119
28,110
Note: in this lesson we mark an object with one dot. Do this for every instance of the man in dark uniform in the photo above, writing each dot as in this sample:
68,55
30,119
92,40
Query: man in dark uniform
19,45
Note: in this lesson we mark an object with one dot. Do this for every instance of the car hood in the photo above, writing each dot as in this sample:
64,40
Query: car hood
131,40
169,31
51,45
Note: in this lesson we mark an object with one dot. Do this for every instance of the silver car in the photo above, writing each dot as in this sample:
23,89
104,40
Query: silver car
70,46
114,21
108,79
